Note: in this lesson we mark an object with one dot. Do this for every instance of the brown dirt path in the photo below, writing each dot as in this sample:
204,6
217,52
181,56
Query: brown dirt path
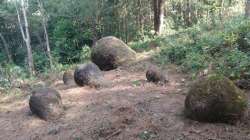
130,109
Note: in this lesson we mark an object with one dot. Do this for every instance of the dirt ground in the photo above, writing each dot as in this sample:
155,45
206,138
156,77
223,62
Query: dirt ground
129,109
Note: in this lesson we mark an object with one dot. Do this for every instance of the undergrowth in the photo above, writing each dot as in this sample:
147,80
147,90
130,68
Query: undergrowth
225,49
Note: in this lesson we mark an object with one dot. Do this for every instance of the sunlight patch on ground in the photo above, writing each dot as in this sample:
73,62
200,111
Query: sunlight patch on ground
146,55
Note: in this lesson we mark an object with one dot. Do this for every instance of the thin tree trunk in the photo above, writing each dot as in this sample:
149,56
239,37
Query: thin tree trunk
213,18
158,6
25,34
247,10
221,10
44,23
6,48
47,44
187,14
126,22
140,18
28,41
161,12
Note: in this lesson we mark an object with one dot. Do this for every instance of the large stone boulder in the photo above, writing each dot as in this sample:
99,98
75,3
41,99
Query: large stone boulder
68,77
110,52
215,99
46,103
88,74
243,84
156,75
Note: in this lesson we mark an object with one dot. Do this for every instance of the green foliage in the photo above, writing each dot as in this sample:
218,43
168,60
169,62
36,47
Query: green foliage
195,62
66,38
210,42
233,63
139,46
74,25
146,44
136,83
230,39
174,54
85,54
51,75
224,47
11,75
147,135
41,61
2,57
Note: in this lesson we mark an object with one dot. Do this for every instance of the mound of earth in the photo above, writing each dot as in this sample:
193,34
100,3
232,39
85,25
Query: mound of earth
46,103
156,75
68,77
215,99
110,52
88,74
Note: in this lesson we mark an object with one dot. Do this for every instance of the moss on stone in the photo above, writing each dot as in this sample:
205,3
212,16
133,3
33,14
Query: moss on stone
215,98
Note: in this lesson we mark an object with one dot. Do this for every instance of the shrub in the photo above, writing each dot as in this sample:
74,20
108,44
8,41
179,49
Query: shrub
174,54
233,64
85,54
41,61
146,44
195,62
139,46
226,47
68,41
11,75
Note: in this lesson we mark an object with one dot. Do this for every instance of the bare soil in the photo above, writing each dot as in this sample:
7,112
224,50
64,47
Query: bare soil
129,108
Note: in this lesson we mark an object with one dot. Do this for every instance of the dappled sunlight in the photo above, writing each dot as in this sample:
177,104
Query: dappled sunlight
147,54
13,106
124,69
127,107
12,96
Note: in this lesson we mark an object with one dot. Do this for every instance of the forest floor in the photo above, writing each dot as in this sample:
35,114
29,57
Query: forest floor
129,109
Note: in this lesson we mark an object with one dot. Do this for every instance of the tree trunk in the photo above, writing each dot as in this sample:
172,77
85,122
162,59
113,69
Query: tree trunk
158,6
140,18
44,23
247,10
221,10
126,22
187,14
25,33
6,48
